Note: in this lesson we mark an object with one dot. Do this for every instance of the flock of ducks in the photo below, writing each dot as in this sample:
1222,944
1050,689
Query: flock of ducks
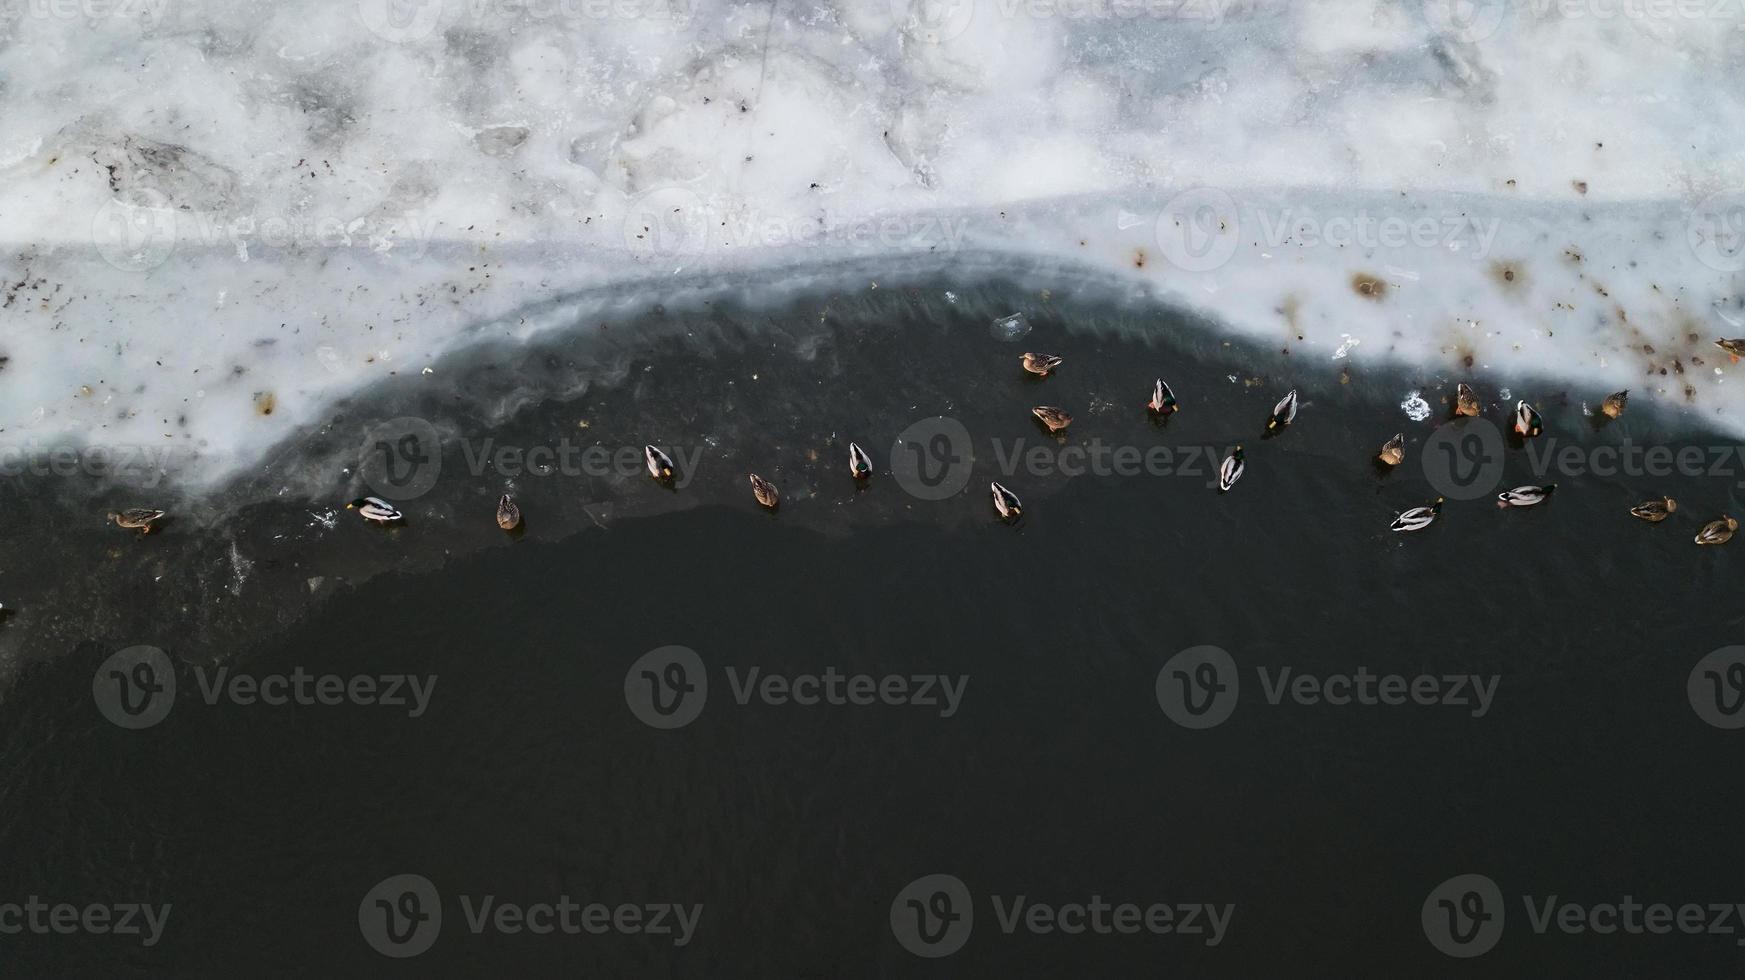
1163,403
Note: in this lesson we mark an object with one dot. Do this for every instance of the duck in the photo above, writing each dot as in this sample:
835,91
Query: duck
660,465
1418,518
139,519
508,514
859,463
1231,470
1465,401
1735,348
1718,531
1052,417
1284,413
1525,496
1613,406
1006,502
1162,399
1041,364
376,510
765,492
1655,511
1393,453
1527,423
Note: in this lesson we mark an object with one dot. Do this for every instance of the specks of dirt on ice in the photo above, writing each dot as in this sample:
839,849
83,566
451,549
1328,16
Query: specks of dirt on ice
1369,286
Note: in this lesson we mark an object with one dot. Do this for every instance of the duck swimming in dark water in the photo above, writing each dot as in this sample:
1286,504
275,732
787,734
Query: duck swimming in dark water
660,465
1718,531
1527,423
376,510
139,519
1465,401
1393,452
1525,496
1052,417
1284,413
859,463
1418,518
1655,511
1006,502
1231,470
1162,399
1041,365
765,492
508,514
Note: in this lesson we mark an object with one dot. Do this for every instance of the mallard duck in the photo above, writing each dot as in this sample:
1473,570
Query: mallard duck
1393,452
660,465
138,519
1418,518
1613,406
1284,413
1006,502
1527,423
375,509
765,492
1231,470
1525,496
1054,418
859,463
1162,399
1041,364
508,514
1655,511
1735,348
1465,400
1718,532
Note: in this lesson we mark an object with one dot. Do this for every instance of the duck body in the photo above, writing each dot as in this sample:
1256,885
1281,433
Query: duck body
139,519
1162,399
1527,422
660,465
1525,496
1465,401
1613,406
765,492
1418,518
1393,452
376,510
1718,531
1655,511
1231,470
1735,348
859,463
1006,502
1041,365
508,513
1284,413
1052,417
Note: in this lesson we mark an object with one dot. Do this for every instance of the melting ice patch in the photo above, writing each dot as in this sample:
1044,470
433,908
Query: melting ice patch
404,182
1415,407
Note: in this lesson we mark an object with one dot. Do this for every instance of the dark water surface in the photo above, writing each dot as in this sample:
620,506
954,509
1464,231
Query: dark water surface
1320,829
